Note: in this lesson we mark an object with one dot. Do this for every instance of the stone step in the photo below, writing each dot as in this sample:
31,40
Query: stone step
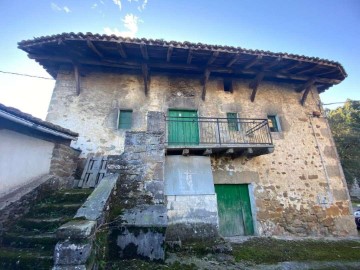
39,241
41,224
14,258
68,196
53,210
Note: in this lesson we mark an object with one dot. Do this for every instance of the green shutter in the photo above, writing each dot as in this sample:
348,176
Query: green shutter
232,121
183,127
273,125
125,119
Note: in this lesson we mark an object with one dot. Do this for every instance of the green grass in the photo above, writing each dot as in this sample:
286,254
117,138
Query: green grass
268,250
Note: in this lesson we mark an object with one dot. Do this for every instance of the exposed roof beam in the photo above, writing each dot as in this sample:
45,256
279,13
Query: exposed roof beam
307,70
145,72
255,84
205,81
213,57
233,60
288,68
169,53
309,83
163,65
256,60
94,49
273,63
189,57
121,50
144,51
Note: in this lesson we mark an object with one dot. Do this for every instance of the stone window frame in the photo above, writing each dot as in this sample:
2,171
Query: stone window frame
118,118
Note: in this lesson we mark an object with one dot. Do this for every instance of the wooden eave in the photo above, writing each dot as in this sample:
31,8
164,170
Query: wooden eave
109,52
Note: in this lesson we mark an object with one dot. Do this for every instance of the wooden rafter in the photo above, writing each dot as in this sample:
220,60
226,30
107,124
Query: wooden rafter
288,68
255,84
127,64
205,81
145,72
310,82
233,60
144,51
213,57
121,50
169,53
256,60
189,57
77,79
307,70
273,63
93,48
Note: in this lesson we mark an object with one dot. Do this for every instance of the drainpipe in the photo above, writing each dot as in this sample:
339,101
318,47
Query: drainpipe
30,124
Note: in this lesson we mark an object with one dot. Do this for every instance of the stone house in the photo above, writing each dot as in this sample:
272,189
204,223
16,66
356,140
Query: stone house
207,139
31,150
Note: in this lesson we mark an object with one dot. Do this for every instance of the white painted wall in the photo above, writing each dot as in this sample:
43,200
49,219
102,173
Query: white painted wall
22,158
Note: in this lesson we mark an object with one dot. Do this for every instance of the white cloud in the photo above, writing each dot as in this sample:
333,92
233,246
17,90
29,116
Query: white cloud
131,23
94,6
55,7
118,3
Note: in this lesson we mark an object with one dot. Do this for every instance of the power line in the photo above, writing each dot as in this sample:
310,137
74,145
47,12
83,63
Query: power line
26,75
340,102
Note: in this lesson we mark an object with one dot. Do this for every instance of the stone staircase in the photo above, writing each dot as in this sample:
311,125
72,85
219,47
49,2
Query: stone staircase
29,243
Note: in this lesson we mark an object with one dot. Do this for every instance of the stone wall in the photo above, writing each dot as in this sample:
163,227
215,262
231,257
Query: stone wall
64,163
298,189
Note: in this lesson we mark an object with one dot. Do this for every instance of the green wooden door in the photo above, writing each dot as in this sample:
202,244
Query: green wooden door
183,127
234,210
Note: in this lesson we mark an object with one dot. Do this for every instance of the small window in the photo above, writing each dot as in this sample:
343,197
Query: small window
228,87
273,121
125,119
232,121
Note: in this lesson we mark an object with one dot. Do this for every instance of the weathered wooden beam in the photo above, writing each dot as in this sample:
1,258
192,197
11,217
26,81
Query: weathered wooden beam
169,53
186,152
213,57
207,152
249,152
307,70
310,82
306,92
145,72
256,60
77,79
189,57
273,63
255,84
205,81
144,52
121,50
233,60
288,68
93,48
126,64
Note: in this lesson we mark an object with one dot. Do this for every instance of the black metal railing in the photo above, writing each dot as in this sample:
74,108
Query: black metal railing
190,131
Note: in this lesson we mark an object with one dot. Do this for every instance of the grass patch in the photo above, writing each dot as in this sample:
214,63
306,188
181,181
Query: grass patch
268,251
145,265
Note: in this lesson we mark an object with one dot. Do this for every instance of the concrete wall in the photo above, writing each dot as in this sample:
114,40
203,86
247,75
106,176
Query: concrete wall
22,159
298,189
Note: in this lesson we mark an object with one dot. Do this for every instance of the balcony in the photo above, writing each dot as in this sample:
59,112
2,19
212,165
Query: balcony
224,136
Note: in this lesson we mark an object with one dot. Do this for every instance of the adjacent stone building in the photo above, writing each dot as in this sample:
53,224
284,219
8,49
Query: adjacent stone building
219,139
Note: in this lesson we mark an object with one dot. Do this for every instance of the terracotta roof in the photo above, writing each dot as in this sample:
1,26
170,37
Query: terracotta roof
36,121
111,50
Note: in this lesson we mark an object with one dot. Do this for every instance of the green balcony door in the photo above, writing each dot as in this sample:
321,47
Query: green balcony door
234,210
183,127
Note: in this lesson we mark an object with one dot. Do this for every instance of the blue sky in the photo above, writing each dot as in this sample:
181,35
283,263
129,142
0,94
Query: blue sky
323,28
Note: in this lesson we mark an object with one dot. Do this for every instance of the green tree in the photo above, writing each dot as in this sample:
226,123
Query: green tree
345,126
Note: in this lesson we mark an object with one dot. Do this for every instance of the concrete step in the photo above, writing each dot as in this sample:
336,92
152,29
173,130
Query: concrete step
42,241
68,196
12,258
41,224
50,210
